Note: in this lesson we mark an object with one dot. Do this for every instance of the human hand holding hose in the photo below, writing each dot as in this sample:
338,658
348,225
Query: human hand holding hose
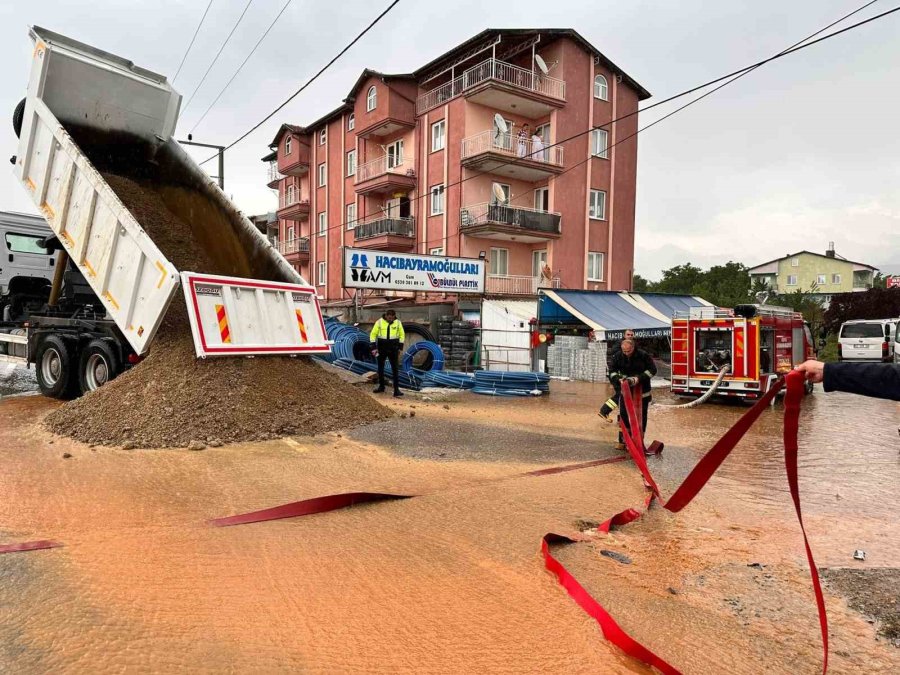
812,370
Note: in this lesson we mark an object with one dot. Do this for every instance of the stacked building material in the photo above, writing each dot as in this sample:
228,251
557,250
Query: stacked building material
575,357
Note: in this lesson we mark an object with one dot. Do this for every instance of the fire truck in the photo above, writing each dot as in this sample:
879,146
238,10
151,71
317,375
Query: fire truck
753,343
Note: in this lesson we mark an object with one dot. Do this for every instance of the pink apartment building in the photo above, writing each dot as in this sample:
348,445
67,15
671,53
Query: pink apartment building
433,162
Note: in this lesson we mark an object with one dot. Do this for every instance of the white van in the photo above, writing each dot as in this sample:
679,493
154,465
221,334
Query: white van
867,340
897,342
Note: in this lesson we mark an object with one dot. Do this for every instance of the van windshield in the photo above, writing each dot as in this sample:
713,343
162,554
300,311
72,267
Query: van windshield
862,330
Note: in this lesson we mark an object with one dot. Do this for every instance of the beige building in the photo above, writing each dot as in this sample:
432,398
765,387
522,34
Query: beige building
821,274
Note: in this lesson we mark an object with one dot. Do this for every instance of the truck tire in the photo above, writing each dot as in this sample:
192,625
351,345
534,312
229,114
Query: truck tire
19,117
97,365
55,368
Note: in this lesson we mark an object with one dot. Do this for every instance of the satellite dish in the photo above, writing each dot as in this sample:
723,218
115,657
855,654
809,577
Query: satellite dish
540,64
499,193
500,123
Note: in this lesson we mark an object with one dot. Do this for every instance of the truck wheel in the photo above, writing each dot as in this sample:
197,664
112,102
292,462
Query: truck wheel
55,368
97,366
19,117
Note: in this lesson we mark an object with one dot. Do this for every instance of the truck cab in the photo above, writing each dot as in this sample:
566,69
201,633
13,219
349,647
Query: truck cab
26,266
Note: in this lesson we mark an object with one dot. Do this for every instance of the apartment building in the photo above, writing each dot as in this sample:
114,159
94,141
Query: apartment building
438,161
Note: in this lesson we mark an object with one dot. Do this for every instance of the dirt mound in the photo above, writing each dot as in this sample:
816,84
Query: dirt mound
172,398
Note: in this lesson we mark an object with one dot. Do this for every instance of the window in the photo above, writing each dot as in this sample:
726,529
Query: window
862,330
595,266
437,251
287,145
322,174
821,279
599,143
321,274
538,260
24,243
290,233
395,154
795,262
291,195
437,136
601,88
792,280
371,99
437,200
323,224
542,199
351,216
351,163
836,279
598,205
351,122
323,136
499,262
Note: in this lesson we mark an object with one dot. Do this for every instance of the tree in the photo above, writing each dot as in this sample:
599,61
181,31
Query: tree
723,285
875,303
639,284
805,302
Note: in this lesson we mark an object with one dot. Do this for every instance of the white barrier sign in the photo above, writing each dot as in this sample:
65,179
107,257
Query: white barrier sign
384,270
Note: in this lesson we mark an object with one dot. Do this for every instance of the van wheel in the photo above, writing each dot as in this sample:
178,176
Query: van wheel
97,366
19,117
55,368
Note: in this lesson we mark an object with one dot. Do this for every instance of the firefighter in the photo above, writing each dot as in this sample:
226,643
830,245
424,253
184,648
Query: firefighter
610,405
388,336
634,366
879,380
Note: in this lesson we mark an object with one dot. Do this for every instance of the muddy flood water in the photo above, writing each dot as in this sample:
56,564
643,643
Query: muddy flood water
452,580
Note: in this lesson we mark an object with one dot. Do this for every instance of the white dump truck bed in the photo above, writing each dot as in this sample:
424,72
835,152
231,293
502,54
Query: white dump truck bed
73,85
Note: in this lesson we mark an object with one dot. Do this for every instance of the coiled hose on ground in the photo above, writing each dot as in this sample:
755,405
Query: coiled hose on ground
697,401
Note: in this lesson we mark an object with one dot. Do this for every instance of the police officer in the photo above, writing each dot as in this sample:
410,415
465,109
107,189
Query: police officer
634,366
388,336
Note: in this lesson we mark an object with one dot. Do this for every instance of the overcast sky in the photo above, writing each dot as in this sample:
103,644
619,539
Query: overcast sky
799,153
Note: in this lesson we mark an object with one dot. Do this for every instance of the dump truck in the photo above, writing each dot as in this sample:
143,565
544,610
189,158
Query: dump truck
112,285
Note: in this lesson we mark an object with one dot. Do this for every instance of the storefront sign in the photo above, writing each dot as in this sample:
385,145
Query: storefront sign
383,270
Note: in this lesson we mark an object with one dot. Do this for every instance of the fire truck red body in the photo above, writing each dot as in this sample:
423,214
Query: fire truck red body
755,342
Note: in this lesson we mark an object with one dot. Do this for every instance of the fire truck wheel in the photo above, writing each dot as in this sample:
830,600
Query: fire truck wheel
97,366
55,367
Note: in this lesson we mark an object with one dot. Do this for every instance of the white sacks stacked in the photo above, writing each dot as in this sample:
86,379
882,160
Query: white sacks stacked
573,356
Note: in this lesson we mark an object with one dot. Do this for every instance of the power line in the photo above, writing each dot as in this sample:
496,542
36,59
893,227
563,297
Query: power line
218,54
184,58
308,82
735,74
240,67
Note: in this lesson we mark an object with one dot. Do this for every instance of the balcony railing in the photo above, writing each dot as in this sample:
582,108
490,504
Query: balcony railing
381,225
290,198
273,172
508,144
516,216
383,165
492,69
507,284
295,245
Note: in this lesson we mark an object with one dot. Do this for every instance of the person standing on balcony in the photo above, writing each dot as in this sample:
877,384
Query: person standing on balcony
388,336
522,139
537,147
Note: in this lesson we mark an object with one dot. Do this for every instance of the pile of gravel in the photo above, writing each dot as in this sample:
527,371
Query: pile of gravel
173,399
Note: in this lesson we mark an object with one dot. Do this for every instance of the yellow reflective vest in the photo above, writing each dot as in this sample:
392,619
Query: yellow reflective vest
382,330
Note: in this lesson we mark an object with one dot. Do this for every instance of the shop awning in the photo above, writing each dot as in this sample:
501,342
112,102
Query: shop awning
609,313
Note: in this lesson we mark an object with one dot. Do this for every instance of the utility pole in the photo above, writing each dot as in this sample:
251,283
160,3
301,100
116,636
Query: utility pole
220,149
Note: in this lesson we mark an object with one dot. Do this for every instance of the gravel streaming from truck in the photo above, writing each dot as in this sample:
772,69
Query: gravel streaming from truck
173,399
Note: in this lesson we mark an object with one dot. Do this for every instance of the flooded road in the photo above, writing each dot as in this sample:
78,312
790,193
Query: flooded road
450,581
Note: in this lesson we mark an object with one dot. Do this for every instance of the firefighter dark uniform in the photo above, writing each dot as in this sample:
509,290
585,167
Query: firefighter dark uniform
388,337
639,365
880,380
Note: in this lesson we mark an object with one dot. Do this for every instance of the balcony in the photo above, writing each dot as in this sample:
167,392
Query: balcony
292,207
500,86
295,248
505,155
385,174
512,223
297,162
274,176
386,233
506,284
